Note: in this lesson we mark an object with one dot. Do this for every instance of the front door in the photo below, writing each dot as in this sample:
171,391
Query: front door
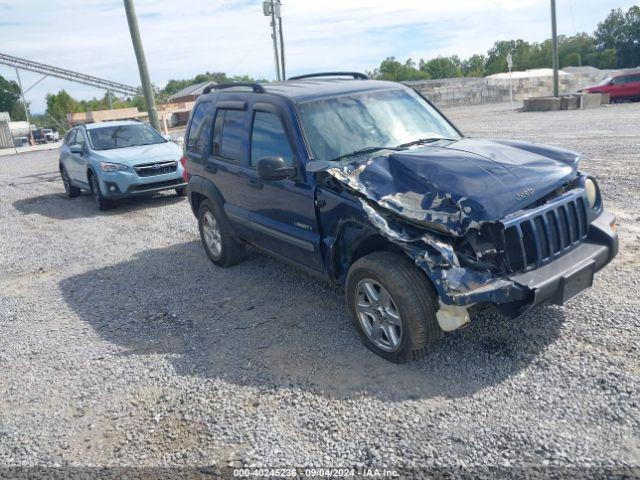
281,213
78,161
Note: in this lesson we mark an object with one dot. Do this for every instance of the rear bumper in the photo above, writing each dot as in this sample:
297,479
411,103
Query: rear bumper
549,283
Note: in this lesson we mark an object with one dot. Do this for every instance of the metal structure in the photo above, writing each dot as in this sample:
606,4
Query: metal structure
273,9
147,89
51,71
554,48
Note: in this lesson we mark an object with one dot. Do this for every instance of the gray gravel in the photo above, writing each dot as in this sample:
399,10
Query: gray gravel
121,344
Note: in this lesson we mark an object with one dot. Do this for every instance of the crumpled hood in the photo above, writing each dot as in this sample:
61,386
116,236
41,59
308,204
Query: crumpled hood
459,184
130,156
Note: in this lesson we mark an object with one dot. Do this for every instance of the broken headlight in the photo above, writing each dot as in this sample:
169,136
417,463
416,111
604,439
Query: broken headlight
478,249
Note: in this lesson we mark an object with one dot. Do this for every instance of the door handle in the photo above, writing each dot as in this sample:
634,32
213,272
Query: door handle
211,168
254,183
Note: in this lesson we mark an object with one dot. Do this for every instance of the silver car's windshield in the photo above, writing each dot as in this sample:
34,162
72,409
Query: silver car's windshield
121,136
338,126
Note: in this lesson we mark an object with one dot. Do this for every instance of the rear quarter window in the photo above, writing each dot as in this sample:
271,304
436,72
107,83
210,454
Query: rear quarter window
198,129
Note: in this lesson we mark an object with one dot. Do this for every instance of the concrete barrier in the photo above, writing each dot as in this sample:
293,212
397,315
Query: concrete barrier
476,90
591,100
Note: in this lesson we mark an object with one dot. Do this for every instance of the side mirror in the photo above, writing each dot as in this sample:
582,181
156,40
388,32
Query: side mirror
274,168
76,149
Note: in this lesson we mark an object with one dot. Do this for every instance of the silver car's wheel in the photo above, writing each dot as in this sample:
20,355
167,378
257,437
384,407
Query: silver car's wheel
212,235
378,315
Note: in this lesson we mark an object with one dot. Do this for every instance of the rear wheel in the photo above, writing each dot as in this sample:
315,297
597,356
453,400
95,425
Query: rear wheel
72,191
101,202
217,238
393,306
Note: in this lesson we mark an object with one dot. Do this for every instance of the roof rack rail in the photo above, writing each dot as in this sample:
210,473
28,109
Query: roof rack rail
355,75
257,88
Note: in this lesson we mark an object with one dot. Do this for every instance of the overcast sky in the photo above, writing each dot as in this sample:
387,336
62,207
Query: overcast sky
185,37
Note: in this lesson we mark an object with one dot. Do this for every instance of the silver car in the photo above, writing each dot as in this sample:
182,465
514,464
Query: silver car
120,159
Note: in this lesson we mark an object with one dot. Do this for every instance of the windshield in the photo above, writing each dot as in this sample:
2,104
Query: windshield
121,136
342,125
606,81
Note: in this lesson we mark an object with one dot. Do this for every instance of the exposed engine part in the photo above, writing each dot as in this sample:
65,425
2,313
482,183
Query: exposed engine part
479,249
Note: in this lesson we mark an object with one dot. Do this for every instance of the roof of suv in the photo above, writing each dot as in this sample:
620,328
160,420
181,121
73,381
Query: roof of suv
314,89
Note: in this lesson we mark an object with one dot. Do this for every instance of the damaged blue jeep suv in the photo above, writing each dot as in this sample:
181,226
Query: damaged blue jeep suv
367,184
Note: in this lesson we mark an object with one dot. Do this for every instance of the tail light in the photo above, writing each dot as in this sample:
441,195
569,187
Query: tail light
185,174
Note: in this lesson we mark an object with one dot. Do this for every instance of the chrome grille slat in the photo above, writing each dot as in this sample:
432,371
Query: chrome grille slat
155,168
537,236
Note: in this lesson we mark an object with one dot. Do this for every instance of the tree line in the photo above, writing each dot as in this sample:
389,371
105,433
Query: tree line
614,44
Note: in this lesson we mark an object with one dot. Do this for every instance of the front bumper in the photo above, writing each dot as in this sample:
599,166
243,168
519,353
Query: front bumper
127,183
556,282
548,284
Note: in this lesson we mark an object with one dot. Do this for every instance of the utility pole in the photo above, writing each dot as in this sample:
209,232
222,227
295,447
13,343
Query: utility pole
272,8
24,103
142,64
554,48
279,15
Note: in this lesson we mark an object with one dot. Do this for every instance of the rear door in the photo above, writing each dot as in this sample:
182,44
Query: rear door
65,154
281,213
224,163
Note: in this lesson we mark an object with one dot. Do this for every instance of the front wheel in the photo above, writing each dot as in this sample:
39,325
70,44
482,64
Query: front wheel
101,202
393,306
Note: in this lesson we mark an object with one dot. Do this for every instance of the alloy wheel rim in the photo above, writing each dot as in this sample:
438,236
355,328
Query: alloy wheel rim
212,235
378,315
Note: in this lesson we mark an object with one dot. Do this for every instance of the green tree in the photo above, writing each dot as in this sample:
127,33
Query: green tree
474,66
621,32
442,67
10,99
61,103
393,70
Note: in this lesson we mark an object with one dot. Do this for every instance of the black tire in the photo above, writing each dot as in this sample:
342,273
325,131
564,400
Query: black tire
231,251
72,191
412,295
181,192
101,202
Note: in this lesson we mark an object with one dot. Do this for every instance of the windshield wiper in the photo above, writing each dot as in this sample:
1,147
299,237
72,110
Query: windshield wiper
362,151
422,140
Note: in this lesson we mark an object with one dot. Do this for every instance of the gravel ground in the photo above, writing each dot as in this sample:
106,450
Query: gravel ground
121,344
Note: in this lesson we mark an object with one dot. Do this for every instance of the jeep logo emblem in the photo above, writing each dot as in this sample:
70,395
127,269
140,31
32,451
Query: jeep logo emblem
524,194
156,166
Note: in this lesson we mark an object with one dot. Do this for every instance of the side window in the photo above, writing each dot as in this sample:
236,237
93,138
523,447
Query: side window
80,140
198,136
633,79
229,134
619,80
269,139
71,137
